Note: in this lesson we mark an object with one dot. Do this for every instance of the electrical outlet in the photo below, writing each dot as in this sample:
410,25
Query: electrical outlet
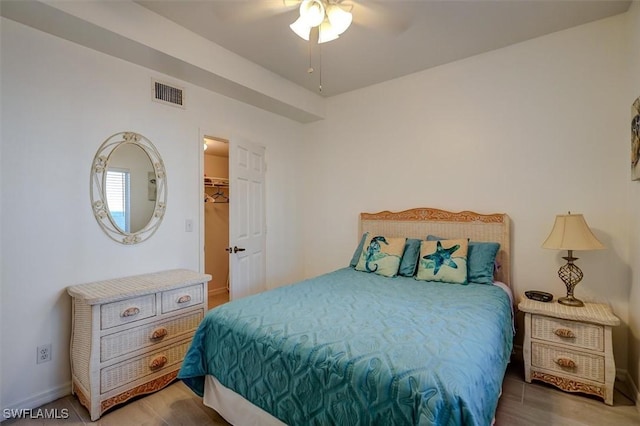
44,353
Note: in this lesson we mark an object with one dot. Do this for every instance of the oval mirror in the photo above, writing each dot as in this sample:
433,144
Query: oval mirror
128,188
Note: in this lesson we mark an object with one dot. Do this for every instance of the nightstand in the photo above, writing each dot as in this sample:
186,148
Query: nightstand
570,347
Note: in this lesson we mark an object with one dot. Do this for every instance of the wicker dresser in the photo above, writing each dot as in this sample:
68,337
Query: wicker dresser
570,347
130,334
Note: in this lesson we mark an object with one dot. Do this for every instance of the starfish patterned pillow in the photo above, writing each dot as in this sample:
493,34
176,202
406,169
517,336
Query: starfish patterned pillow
381,255
443,261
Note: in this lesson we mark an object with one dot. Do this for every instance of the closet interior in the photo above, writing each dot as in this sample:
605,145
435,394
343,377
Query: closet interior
216,218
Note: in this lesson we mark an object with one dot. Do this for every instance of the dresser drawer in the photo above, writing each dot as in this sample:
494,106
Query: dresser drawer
127,311
580,335
181,298
567,361
116,344
136,368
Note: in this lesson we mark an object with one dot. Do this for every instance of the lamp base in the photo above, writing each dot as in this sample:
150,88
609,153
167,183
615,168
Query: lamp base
570,275
570,301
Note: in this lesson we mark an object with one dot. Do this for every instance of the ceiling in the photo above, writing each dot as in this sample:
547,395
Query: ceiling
217,147
388,39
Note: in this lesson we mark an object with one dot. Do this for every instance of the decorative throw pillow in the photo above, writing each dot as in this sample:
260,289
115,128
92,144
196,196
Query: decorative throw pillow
410,258
358,252
381,255
443,261
481,260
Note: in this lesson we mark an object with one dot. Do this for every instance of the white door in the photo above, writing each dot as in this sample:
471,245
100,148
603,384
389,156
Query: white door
247,239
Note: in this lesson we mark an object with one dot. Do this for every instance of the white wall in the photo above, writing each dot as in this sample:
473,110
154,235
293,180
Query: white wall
633,54
59,102
1,245
533,130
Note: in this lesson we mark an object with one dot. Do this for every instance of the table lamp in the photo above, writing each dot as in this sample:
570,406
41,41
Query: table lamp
570,232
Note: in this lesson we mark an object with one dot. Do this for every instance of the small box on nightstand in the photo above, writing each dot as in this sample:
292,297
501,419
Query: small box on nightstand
570,347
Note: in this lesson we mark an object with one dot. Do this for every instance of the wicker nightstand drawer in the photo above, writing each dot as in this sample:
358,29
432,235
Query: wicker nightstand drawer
566,361
117,344
581,335
127,311
136,368
181,298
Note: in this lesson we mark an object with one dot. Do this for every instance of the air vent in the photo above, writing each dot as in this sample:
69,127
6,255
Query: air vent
167,94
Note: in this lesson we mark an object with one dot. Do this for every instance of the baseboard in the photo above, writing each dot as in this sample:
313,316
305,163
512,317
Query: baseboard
217,291
41,398
632,390
635,393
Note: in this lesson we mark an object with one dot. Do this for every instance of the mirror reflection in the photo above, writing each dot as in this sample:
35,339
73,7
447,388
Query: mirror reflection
128,188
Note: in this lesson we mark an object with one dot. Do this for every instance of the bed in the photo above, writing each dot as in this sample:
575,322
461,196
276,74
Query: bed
357,347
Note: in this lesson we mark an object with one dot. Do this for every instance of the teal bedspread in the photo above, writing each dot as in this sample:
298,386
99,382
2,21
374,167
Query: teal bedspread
354,348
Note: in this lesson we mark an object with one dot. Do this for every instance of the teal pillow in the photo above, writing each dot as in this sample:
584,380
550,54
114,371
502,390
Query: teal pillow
481,259
410,258
356,254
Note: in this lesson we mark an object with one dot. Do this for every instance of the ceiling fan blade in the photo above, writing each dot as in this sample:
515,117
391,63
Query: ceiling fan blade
378,15
250,11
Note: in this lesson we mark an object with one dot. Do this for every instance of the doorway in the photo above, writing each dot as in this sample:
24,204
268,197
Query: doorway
216,218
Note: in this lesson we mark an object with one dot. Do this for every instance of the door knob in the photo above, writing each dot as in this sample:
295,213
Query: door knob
228,249
237,249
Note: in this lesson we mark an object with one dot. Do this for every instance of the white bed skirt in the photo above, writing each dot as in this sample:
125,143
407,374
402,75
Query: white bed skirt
233,407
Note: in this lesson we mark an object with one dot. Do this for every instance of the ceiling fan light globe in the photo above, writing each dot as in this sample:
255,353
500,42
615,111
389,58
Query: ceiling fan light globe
339,18
327,33
301,28
312,11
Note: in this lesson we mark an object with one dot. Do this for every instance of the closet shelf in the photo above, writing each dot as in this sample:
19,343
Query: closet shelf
211,182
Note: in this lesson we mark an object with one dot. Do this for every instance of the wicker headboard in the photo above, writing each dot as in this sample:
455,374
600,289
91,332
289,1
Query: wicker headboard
420,222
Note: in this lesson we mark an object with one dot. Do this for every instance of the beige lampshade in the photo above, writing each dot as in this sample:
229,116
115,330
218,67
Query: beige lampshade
571,232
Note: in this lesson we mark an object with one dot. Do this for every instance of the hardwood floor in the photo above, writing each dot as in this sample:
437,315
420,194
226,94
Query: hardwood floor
174,405
218,299
539,404
534,404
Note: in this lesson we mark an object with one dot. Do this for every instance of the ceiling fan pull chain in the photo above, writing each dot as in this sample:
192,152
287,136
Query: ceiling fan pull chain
310,69
320,67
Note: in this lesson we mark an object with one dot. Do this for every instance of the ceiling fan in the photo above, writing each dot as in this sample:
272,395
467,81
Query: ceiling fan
330,17
320,20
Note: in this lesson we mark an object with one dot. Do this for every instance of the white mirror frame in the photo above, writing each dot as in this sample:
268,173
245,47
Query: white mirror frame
98,186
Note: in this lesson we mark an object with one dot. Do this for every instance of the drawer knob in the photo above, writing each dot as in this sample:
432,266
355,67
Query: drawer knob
565,362
184,299
564,332
158,362
159,333
130,312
